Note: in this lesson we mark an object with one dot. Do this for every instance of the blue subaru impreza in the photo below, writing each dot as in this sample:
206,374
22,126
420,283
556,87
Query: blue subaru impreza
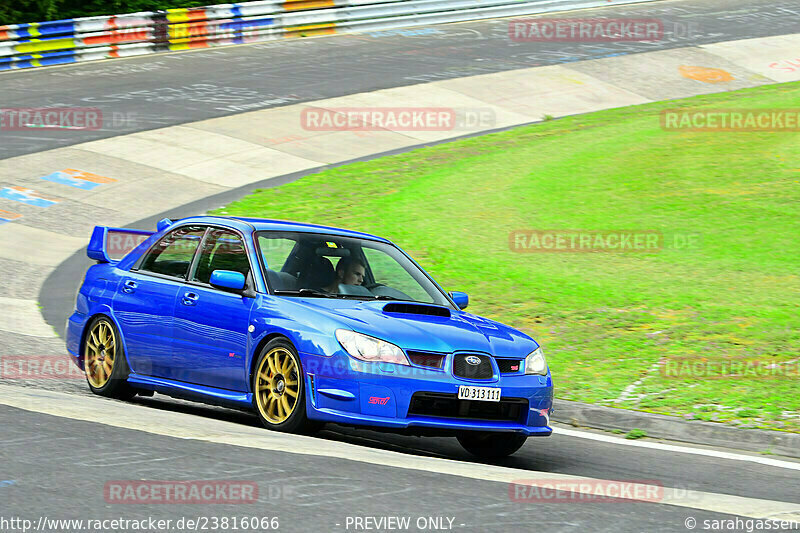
304,324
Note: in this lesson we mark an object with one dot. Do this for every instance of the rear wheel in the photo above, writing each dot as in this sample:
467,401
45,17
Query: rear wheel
279,389
104,360
489,445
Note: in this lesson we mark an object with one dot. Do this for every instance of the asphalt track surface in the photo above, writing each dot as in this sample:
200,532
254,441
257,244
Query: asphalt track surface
148,92
56,466
60,472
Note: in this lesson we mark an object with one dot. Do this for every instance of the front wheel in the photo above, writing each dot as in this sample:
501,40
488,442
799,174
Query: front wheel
279,392
488,445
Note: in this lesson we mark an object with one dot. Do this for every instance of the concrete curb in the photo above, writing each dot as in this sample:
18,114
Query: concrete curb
672,428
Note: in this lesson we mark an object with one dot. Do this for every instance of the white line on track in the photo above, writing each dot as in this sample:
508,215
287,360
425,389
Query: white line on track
678,449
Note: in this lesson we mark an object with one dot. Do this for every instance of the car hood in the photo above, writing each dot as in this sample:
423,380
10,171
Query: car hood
460,331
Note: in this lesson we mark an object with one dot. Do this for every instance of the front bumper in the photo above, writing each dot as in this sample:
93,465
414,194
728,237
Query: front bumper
76,323
343,390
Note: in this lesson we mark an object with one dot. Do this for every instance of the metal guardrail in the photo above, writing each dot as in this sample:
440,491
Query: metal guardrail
91,38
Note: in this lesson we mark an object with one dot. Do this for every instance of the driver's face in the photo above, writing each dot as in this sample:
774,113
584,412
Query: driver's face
354,275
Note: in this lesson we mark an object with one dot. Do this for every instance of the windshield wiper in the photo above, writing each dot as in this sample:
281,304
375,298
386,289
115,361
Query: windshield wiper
323,294
318,294
305,292
387,297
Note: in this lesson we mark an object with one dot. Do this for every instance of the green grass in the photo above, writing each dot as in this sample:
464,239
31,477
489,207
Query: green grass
636,433
605,319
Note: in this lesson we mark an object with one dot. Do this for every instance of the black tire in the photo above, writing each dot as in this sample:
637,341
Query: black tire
95,355
271,392
491,445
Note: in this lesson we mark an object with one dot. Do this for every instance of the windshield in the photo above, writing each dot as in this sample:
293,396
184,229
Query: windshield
327,266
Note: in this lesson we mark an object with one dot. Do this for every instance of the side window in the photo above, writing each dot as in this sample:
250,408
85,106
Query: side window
275,251
222,250
172,255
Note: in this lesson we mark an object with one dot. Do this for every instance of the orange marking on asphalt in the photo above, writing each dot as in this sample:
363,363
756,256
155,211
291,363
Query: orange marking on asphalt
8,215
88,176
705,74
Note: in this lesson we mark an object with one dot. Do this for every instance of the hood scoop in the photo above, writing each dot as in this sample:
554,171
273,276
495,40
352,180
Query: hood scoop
416,309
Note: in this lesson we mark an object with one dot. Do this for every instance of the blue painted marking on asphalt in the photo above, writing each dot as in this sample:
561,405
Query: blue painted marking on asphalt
7,482
65,179
25,196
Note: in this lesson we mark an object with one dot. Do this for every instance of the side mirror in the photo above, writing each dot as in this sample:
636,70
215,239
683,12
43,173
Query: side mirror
227,279
461,299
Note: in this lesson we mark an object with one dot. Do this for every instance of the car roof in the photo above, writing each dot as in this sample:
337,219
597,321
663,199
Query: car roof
263,224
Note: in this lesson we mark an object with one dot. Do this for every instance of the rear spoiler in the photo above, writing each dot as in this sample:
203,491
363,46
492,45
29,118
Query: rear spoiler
112,244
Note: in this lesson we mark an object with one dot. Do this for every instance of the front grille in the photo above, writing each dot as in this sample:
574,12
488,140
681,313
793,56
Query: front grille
429,359
509,366
443,405
463,369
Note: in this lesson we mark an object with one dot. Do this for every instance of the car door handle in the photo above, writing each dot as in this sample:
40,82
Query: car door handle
190,298
129,286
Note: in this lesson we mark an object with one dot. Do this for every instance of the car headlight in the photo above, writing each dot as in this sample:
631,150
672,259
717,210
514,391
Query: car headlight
535,363
368,348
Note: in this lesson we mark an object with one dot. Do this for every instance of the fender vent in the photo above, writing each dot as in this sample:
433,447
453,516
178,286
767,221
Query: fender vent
312,389
416,309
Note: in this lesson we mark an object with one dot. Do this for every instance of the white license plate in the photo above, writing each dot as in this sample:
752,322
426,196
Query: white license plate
487,394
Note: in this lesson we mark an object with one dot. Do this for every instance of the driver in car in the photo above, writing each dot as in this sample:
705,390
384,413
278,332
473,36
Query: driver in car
349,271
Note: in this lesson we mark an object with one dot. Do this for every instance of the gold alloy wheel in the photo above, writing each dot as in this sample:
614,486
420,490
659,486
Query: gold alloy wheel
277,385
99,354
